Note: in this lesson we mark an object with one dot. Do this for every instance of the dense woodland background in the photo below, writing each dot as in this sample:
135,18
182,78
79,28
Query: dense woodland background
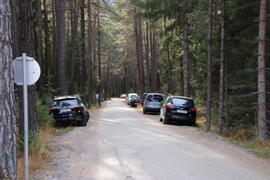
211,50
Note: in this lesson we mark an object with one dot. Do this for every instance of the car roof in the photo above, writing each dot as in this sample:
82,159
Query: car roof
56,98
181,97
155,94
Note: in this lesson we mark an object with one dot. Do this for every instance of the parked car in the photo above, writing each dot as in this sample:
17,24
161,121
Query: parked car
178,108
143,98
67,109
123,96
130,97
153,102
135,100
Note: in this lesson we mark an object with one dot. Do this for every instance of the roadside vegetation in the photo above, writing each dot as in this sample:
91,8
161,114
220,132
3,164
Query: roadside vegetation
39,148
211,50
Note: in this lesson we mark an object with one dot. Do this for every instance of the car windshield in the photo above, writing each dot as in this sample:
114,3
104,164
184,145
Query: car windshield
182,102
155,97
66,103
134,97
130,95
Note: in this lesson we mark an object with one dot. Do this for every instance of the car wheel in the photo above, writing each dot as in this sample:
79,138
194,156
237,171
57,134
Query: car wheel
83,123
193,123
165,121
144,111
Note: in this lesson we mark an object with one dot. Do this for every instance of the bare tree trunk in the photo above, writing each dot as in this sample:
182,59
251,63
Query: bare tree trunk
89,54
74,44
39,44
61,45
47,49
54,63
8,162
153,60
25,43
222,71
263,133
83,72
209,69
139,52
100,83
147,57
186,57
169,64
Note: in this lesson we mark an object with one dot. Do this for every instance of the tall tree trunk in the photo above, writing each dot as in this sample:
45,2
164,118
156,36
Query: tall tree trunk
8,162
209,69
54,63
47,48
139,52
263,133
83,72
147,57
186,56
39,44
89,54
222,71
100,83
169,64
153,60
61,45
25,43
74,45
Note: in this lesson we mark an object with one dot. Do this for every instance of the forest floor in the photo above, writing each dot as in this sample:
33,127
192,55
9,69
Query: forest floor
120,143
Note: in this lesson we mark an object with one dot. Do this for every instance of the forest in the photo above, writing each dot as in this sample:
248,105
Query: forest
214,51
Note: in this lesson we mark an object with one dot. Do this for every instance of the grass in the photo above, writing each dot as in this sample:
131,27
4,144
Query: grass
247,138
241,136
40,151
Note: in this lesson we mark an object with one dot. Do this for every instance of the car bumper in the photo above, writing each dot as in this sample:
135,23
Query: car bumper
178,117
68,119
152,109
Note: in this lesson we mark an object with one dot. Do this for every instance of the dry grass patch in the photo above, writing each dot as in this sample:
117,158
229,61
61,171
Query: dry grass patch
247,138
40,151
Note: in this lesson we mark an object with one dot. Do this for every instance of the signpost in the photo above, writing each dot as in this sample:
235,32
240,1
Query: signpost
26,72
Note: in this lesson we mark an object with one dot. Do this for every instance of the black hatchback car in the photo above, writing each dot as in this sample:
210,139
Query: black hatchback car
67,109
178,108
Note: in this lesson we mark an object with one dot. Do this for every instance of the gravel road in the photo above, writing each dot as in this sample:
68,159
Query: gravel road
120,143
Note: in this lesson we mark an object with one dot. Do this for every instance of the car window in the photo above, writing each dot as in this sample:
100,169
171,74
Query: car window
182,102
67,103
149,97
158,98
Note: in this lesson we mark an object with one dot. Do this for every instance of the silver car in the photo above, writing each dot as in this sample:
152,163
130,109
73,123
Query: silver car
153,102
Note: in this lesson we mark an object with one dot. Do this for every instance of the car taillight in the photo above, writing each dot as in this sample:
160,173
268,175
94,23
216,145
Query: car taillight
53,109
77,108
193,109
169,106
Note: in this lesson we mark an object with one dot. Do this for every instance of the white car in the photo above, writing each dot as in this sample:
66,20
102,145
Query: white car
130,95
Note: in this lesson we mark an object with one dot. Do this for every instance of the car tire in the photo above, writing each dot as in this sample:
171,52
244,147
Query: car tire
83,123
144,111
165,121
193,123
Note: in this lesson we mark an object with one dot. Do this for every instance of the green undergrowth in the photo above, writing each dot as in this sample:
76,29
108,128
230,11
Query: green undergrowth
247,139
243,136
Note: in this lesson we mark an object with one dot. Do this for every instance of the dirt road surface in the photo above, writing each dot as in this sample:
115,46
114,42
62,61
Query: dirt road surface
120,143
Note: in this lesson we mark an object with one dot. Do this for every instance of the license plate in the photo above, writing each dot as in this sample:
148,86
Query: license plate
181,111
65,110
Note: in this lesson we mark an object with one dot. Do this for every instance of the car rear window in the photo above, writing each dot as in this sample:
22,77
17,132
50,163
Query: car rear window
155,97
182,102
66,103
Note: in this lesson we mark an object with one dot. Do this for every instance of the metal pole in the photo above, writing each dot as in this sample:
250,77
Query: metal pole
25,110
